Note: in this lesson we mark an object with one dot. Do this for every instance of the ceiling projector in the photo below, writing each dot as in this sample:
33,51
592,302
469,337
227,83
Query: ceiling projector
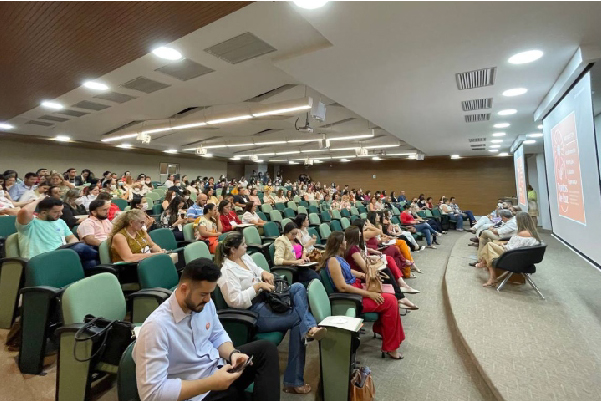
201,151
305,128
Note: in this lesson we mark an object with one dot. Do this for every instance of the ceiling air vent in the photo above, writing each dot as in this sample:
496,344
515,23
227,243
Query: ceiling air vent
345,120
72,113
241,48
481,148
185,70
476,78
42,123
273,92
145,85
90,105
473,118
53,118
471,140
115,97
476,104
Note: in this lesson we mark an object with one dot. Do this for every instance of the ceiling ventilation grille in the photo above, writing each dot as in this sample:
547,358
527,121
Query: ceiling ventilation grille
477,140
90,105
273,92
476,104
185,70
346,120
42,123
480,148
241,48
72,113
115,97
145,85
476,78
473,118
53,118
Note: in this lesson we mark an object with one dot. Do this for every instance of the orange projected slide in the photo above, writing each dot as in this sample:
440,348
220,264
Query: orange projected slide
521,182
566,159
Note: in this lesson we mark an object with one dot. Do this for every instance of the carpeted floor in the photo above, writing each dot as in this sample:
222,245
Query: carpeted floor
435,366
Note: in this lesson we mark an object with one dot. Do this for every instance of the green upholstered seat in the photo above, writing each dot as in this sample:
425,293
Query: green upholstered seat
324,232
344,223
157,271
314,219
335,225
195,250
188,231
11,273
289,213
121,203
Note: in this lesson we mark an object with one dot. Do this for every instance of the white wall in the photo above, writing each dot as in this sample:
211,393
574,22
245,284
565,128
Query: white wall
25,157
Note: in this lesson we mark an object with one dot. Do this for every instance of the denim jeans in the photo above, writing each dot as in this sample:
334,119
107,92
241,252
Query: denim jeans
427,230
87,254
470,216
298,320
458,219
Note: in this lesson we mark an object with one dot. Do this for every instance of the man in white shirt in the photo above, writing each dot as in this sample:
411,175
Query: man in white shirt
180,350
507,229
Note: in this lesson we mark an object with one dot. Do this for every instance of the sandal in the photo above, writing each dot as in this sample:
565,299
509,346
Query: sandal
317,334
416,269
487,284
403,306
304,389
384,354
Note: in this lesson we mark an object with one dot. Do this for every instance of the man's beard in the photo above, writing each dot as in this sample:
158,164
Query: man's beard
194,307
101,217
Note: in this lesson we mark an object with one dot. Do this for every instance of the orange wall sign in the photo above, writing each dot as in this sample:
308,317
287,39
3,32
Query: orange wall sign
566,161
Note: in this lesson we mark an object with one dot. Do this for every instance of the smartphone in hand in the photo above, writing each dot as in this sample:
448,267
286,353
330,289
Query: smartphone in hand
241,367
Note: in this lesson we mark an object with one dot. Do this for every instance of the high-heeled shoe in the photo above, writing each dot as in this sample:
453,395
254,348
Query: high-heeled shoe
391,357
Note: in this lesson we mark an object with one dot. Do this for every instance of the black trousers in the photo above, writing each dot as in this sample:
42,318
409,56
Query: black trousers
264,372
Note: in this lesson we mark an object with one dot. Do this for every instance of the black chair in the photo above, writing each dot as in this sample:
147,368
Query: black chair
522,261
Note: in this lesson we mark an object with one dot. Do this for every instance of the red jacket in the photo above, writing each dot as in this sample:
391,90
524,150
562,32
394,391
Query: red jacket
407,218
226,221
113,211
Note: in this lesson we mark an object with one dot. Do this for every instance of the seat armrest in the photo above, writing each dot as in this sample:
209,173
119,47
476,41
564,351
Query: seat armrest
319,246
343,296
238,311
52,291
257,246
71,328
22,261
101,269
183,244
264,239
160,294
226,317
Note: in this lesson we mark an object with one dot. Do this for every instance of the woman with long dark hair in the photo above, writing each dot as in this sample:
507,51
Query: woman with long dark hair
175,217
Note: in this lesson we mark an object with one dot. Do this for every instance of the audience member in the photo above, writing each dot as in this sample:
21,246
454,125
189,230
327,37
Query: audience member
307,240
196,210
185,369
250,216
289,253
457,210
229,219
174,217
242,283
96,228
431,235
129,241
508,228
39,192
208,227
18,189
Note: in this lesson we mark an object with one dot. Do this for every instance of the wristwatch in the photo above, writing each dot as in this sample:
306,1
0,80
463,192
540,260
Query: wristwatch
235,351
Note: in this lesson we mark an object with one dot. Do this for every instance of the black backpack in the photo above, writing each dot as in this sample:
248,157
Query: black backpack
279,300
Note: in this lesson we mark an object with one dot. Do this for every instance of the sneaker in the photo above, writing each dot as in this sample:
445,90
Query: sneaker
422,248
460,229
431,247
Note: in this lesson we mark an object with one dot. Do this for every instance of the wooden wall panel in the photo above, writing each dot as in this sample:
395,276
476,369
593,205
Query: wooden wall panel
477,183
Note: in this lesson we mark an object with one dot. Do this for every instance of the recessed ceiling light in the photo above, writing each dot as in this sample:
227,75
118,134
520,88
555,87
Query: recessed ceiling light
376,158
6,126
344,160
497,141
49,104
234,158
124,146
62,138
168,53
170,151
525,57
529,142
227,120
455,157
535,135
498,134
504,154
95,85
493,150
494,146
540,126
292,162
310,4
515,92
501,125
507,112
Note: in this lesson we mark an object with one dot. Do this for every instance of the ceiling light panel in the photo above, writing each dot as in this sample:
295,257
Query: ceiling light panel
115,97
507,112
473,118
498,134
49,104
476,79
143,84
476,104
167,53
525,57
185,70
515,92
6,126
95,85
501,125
240,48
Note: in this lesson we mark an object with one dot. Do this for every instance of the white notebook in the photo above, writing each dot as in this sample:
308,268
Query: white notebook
342,322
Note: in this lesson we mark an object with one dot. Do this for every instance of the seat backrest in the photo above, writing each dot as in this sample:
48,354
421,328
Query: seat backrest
324,230
363,215
395,220
421,213
319,303
157,271
99,295
292,205
152,196
120,203
344,223
280,206
195,250
354,211
313,209
251,236
436,212
314,219
336,214
105,253
188,231
275,215
11,246
270,229
7,225
303,203
522,258
285,221
126,376
428,213
325,216
335,225
164,238
297,199
260,260
262,216
345,213
54,269
272,252
313,232
289,213
325,280
302,209
395,211
314,203
157,209
362,209
218,299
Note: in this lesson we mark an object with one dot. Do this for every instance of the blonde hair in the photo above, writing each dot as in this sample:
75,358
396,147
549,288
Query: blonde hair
124,219
525,223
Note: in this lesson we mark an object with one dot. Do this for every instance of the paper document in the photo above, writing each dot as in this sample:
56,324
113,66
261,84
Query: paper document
342,322
309,264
